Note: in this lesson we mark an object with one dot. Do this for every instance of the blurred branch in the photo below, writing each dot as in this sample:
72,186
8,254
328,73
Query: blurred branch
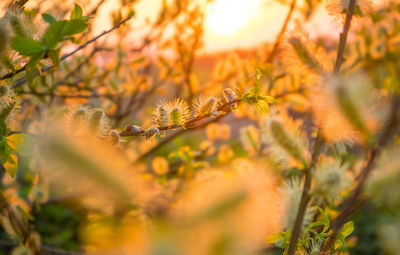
79,66
387,132
278,39
46,68
52,94
305,196
343,37
318,143
94,11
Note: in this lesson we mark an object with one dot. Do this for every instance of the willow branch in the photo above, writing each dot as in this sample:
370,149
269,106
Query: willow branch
175,135
283,29
343,37
305,196
52,94
190,124
46,68
318,143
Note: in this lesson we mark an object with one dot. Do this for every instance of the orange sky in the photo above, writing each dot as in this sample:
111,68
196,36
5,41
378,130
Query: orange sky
229,23
254,22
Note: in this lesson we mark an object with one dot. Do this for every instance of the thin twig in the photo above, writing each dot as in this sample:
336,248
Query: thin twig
305,196
318,143
278,39
343,37
190,124
94,11
176,134
46,68
192,128
43,94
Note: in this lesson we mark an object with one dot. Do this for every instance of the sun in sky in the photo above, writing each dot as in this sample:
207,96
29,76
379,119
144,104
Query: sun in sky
227,17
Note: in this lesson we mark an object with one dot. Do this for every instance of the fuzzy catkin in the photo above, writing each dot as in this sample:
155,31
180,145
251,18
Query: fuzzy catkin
205,106
285,141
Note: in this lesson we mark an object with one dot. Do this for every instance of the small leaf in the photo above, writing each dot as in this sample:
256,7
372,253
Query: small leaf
55,57
74,27
26,46
357,11
3,128
54,34
347,229
31,65
48,18
76,13
270,99
20,143
326,221
11,165
273,238
262,106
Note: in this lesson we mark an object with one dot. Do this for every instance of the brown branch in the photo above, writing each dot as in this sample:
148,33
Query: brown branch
178,133
46,68
386,134
305,196
94,11
190,124
343,37
278,39
193,127
52,94
318,143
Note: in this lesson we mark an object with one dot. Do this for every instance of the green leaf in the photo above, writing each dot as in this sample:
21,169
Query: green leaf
347,229
74,27
26,46
59,29
270,99
54,34
76,13
357,11
325,218
273,238
4,150
31,66
3,128
48,18
20,143
262,106
55,57
11,165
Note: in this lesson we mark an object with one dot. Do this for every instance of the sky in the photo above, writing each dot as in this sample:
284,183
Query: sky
231,24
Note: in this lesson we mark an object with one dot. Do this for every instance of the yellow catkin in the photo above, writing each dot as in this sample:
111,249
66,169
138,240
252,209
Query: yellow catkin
205,106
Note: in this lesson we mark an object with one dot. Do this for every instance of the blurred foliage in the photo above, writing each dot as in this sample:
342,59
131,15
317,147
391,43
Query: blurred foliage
122,142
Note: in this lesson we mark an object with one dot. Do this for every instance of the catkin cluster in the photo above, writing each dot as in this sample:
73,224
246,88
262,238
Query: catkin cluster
176,113
84,120
9,104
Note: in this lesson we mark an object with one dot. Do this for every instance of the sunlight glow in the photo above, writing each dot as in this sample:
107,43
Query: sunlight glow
227,17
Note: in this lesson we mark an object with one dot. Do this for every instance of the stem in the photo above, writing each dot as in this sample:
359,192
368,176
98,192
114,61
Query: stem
343,37
283,29
318,143
305,196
